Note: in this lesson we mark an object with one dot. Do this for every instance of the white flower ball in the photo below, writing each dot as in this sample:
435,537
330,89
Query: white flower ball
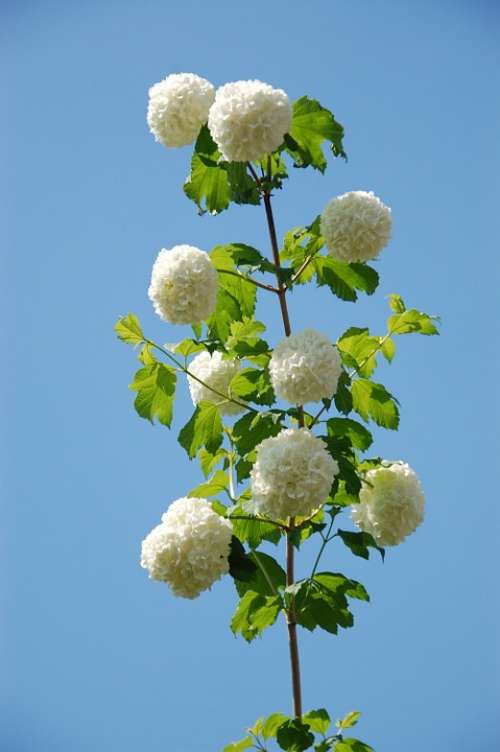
392,507
183,286
305,367
217,373
178,107
292,475
189,550
356,226
249,119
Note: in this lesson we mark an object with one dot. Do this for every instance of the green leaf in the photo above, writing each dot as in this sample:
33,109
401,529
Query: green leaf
129,329
253,530
349,720
239,746
343,397
344,279
352,745
155,387
294,736
319,606
272,724
186,347
323,746
226,311
388,348
338,584
412,321
208,460
311,126
218,483
267,576
244,341
254,614
253,428
208,184
254,385
360,543
242,187
358,350
235,298
203,429
318,720
371,400
396,303
241,254
241,566
358,435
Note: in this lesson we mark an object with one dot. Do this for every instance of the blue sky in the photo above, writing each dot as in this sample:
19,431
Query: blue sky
96,656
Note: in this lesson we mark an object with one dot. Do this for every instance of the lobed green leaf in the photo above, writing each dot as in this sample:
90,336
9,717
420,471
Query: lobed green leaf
155,387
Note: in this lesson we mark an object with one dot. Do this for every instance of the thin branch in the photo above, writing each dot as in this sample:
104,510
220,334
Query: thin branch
301,268
253,173
253,281
185,370
257,519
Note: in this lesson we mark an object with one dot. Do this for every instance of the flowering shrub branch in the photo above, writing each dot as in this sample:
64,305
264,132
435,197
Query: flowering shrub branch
250,429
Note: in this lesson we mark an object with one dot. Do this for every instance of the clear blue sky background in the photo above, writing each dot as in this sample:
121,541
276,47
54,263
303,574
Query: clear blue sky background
95,656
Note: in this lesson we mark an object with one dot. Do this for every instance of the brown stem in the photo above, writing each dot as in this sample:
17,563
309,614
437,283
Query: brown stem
276,258
291,619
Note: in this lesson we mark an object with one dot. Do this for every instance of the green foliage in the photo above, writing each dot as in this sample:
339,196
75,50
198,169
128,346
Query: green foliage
186,347
253,428
235,297
207,184
322,601
360,543
294,736
373,401
352,745
204,429
253,530
349,720
128,329
254,614
411,321
343,396
345,279
358,350
254,385
267,578
311,126
245,342
241,566
239,746
317,720
213,183
272,724
217,484
155,387
208,460
358,435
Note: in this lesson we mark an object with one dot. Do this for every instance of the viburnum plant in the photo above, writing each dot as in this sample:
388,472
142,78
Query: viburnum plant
275,471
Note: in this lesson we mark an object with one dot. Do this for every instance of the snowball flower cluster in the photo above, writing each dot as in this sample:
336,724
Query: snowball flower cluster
249,119
292,475
356,226
178,107
216,372
183,285
189,550
392,506
305,367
